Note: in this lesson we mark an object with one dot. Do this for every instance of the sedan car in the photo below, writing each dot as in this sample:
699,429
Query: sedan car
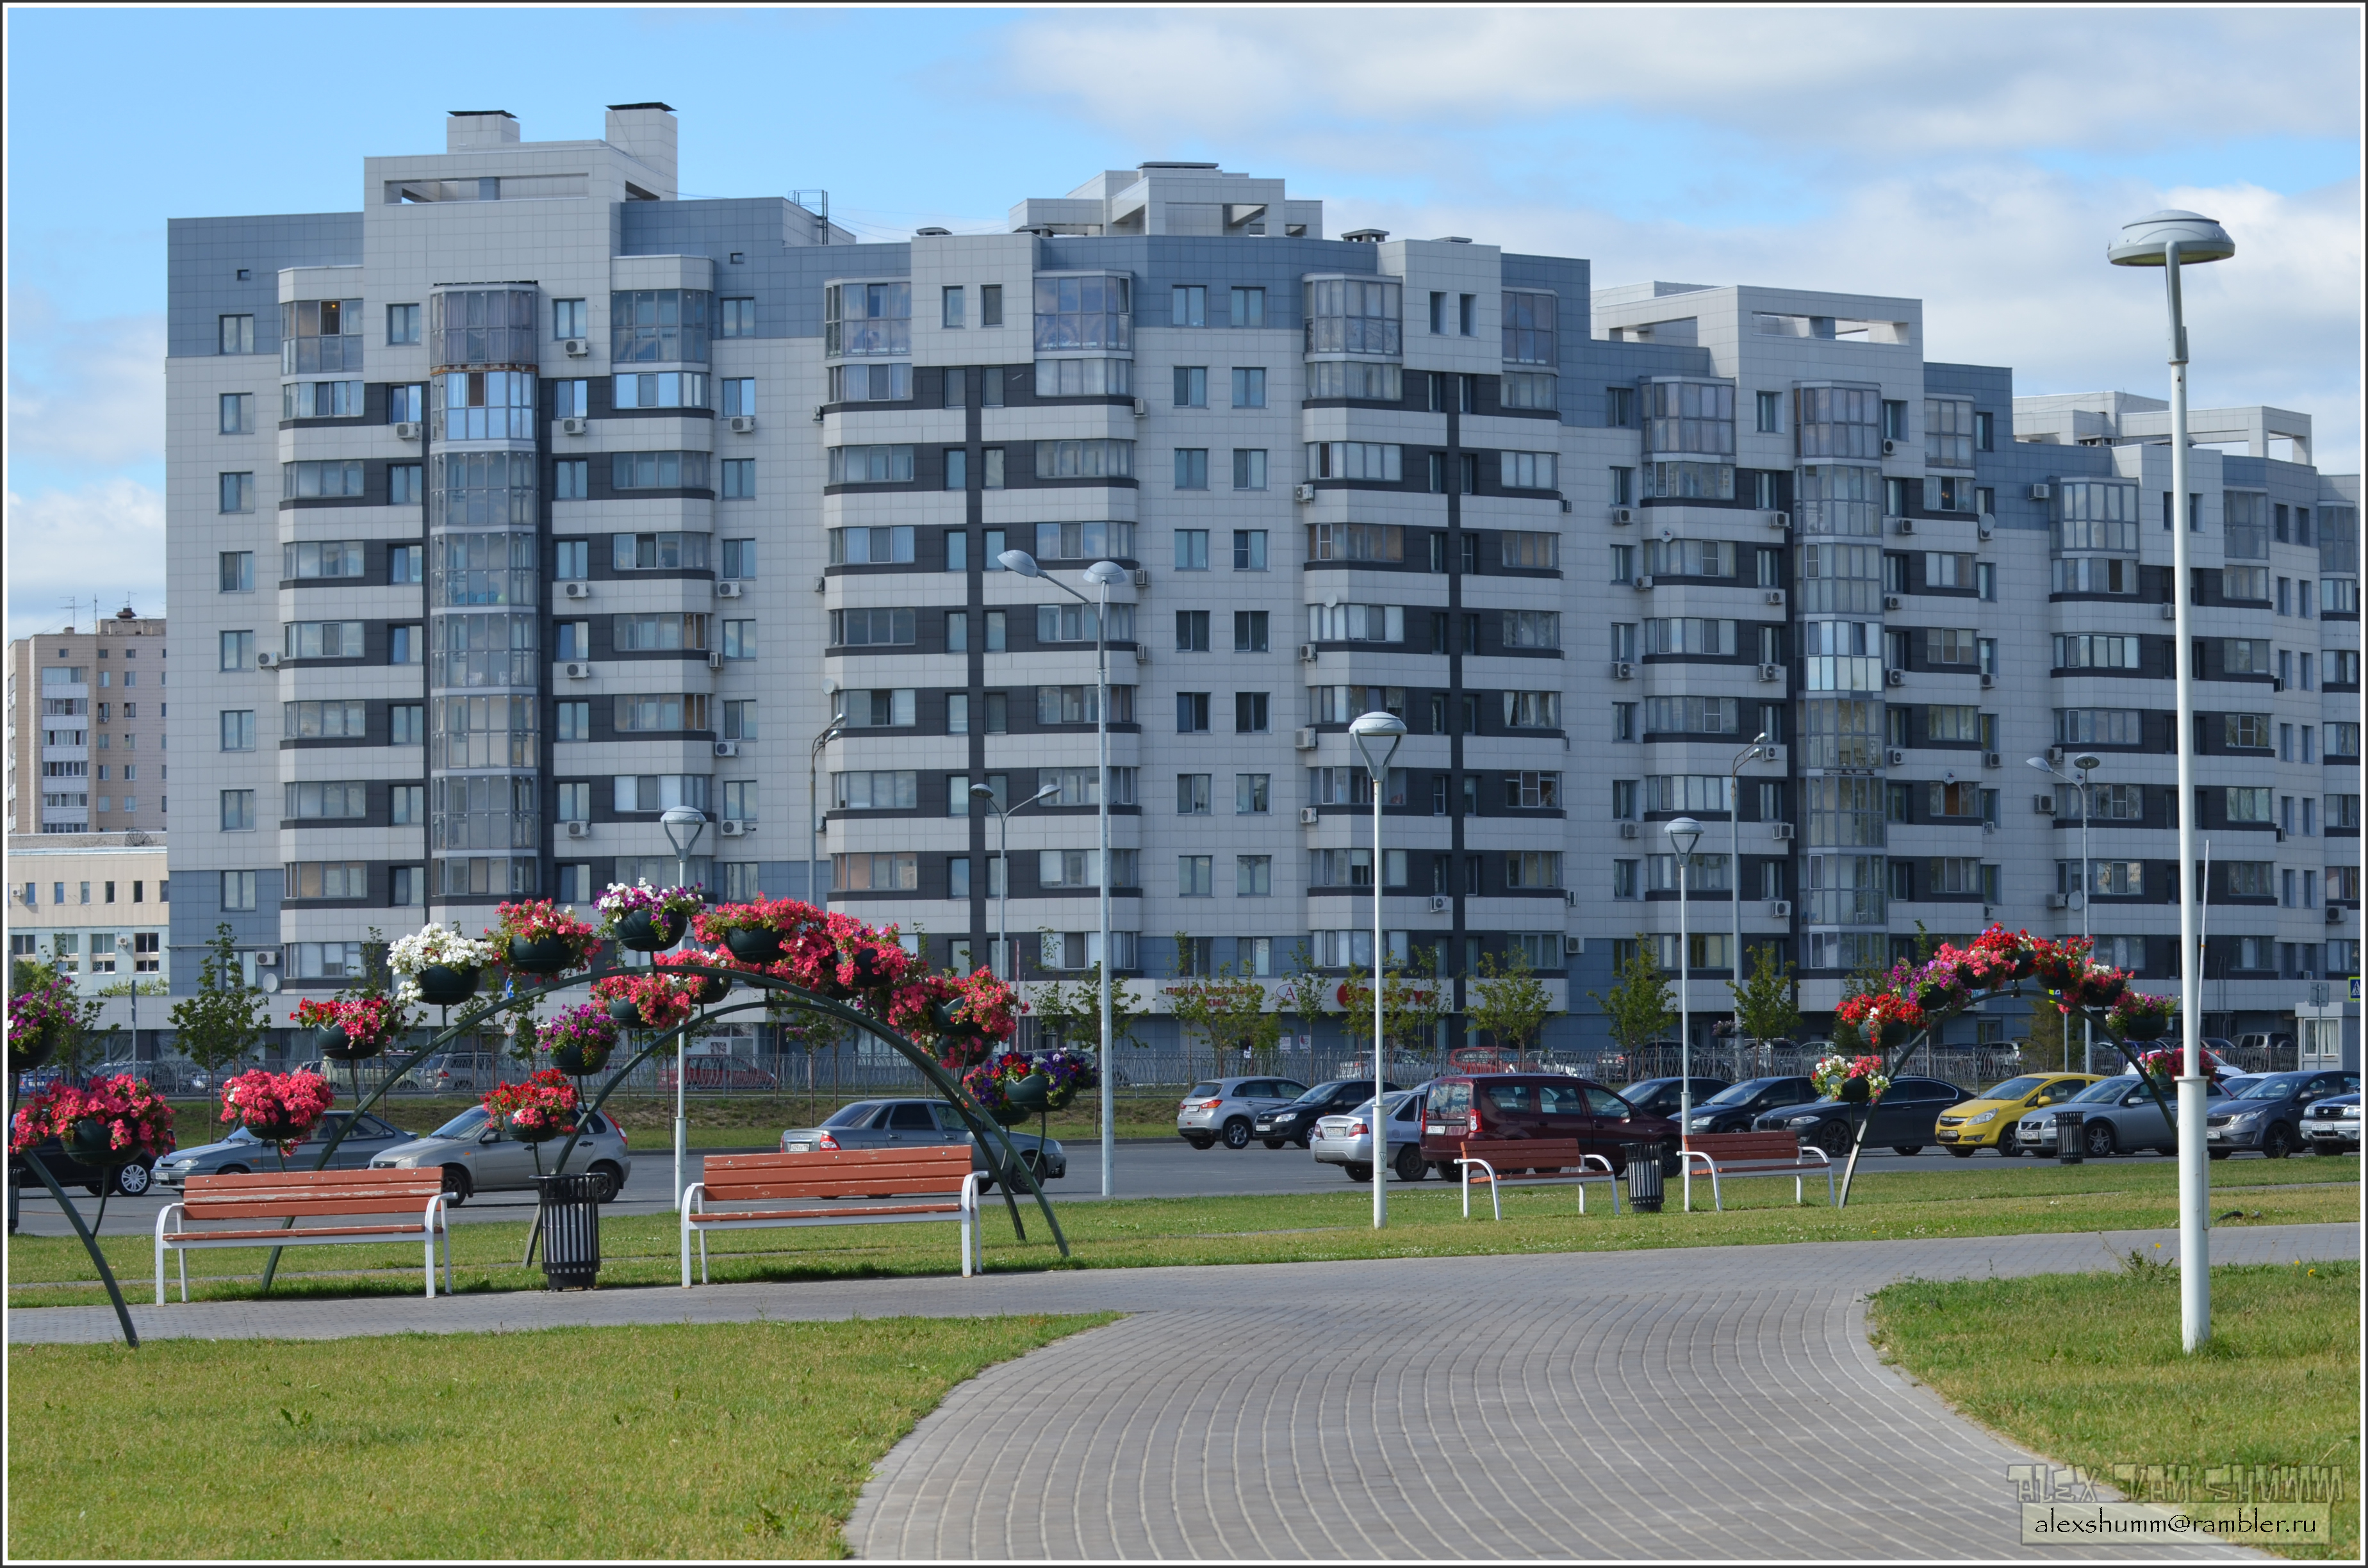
1295,1123
1734,1108
2333,1125
455,1073
1987,1120
2118,1116
1658,1096
918,1123
1227,1109
2268,1113
1347,1140
1904,1120
243,1152
131,1180
476,1157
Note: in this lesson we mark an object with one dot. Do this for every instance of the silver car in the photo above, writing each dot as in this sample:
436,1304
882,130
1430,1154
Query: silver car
476,1157
1225,1110
917,1123
2118,1117
1347,1140
243,1152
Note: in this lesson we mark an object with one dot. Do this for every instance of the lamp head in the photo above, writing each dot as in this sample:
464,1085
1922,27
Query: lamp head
1105,574
2087,764
683,825
1377,736
1684,833
2147,242
1019,561
2040,763
983,793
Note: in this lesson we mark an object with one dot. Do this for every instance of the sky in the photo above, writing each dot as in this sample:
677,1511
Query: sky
1976,159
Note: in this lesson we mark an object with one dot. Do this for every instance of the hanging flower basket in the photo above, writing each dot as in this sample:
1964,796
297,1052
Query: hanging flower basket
1852,1080
548,956
536,1112
625,1011
539,937
580,1059
755,946
2136,1015
2099,987
88,1141
581,1038
277,1108
1854,1091
705,990
648,919
1892,1034
990,1084
1071,1074
646,933
1032,1094
418,957
38,1018
441,985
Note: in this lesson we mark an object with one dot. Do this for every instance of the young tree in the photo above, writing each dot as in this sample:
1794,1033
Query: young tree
1228,1010
1765,1005
1509,1002
1302,992
1413,1001
1638,1006
2048,1039
226,1020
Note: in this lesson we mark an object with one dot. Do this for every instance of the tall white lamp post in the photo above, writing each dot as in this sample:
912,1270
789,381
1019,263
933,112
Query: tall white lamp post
1735,879
2167,240
1377,736
683,825
2086,764
985,795
1102,574
814,893
1684,833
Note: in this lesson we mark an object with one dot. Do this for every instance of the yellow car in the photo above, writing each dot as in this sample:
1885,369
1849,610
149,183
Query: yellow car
1987,1120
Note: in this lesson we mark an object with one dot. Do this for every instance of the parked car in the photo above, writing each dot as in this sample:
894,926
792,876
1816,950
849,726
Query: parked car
476,1157
2268,1113
2264,1045
2118,1116
455,1073
2333,1125
715,1074
918,1123
1295,1123
243,1152
1733,1108
1508,1106
1347,1139
1228,1109
1988,1119
1905,1121
1658,1096
131,1180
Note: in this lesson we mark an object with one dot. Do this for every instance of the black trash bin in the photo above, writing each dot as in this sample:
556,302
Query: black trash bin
1644,1176
571,1228
2071,1143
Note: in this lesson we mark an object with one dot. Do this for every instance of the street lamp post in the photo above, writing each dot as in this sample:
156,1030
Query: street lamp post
986,795
2086,765
683,825
2167,240
1102,574
1684,833
1377,736
815,895
1734,876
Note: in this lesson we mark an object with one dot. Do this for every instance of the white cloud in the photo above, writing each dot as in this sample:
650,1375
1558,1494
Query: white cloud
84,391
105,540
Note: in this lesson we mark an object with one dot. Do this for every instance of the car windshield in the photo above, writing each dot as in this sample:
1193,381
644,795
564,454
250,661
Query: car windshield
1736,1094
1319,1093
2109,1090
859,1114
1642,1089
240,1135
2012,1089
2276,1087
466,1125
1397,1102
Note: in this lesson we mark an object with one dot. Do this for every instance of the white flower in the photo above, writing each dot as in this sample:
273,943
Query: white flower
433,945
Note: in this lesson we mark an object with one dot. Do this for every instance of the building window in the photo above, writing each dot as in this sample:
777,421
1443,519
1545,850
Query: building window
238,414
570,318
402,323
1191,713
1249,712
237,493
238,889
237,810
1249,386
739,479
237,570
1188,305
572,479
1768,405
237,334
736,318
403,486
406,644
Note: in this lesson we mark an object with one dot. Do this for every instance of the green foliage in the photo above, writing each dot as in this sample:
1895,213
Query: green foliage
1072,1011
1512,1004
226,1020
2046,1044
1767,1004
1304,991
1638,1005
1228,1011
1414,998
76,1043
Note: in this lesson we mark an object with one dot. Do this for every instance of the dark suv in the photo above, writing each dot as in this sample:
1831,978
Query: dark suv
1510,1106
2267,1113
1905,1120
1295,1122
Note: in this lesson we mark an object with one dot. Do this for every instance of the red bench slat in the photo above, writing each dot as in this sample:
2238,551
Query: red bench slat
279,1235
826,1213
1739,1147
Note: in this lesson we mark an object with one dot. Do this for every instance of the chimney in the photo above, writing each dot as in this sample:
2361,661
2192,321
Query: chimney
473,130
647,132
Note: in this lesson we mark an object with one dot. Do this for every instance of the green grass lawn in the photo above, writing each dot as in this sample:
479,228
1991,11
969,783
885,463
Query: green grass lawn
663,1441
2087,1368
2011,1197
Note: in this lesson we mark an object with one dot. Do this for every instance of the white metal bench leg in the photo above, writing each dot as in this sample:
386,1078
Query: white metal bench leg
683,1225
702,1258
181,1255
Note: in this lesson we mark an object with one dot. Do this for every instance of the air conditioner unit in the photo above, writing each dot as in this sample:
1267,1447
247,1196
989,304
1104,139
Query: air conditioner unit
1644,583
1780,909
1622,515
1992,759
266,660
2062,900
1895,757
731,828
576,670
1142,409
406,429
1780,830
1307,652
1308,816
1907,524
743,425
818,409
2170,612
1891,601
1303,493
1572,947
1989,827
1566,503
574,426
1775,595
2055,756
729,590
1890,449
2041,492
2043,805
1622,670
727,749
1438,903
1989,680
716,661
1304,740
1570,897
267,960
2335,913
1895,678
1630,830
1140,577
1986,525
1771,672
575,590
1143,652
579,829
1780,520
576,348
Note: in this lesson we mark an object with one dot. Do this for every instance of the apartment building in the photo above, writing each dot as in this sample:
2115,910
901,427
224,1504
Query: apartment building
86,729
589,501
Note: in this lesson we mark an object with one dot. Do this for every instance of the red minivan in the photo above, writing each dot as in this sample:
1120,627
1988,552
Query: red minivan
1505,1106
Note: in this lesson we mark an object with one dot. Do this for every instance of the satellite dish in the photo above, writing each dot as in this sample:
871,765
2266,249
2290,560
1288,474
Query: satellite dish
270,982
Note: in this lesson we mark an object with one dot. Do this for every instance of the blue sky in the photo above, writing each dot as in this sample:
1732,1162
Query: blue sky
1975,159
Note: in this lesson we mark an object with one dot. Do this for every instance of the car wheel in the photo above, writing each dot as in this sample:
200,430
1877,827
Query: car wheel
1358,1173
1907,1148
2277,1142
1201,1143
231,1170
2097,1139
612,1182
458,1186
1834,1137
132,1180
1237,1135
1409,1163
1959,1151
1276,1143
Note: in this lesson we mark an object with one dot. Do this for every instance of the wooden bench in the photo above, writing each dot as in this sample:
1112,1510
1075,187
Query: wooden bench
264,1199
939,1182
1553,1160
1737,1155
